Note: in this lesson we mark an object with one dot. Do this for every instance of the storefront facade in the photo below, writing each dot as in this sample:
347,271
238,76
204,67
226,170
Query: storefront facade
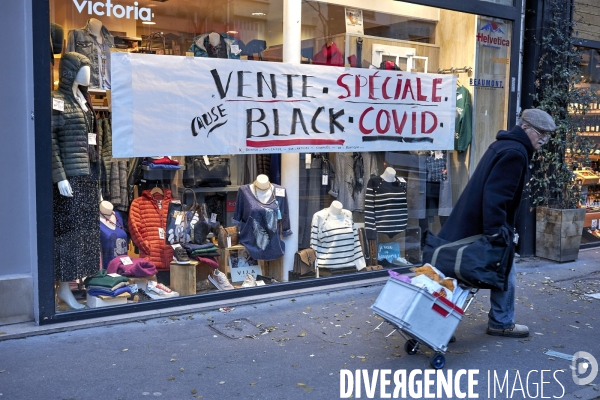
272,122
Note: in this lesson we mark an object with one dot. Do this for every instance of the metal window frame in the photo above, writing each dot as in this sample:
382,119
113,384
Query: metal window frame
44,186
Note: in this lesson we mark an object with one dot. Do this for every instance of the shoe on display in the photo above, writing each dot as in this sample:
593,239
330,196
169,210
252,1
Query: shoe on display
219,279
159,291
249,281
180,256
515,331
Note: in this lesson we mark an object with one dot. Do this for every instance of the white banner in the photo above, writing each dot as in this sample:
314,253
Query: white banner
171,105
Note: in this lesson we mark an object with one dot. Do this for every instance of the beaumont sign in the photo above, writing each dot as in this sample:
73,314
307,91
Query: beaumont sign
171,105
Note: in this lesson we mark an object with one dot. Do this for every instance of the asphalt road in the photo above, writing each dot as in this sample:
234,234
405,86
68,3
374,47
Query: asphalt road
296,348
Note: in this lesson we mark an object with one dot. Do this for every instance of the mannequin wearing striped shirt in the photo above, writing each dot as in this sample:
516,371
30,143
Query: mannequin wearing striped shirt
386,211
335,238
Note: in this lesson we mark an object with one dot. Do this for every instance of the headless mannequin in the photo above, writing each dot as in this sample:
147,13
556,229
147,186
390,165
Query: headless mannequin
96,29
83,79
335,208
262,188
214,38
106,213
64,187
389,175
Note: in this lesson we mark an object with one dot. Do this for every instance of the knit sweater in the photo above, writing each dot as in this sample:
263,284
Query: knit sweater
146,215
385,207
260,229
335,240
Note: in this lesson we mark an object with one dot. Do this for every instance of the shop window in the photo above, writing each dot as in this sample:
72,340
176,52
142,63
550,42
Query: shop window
187,140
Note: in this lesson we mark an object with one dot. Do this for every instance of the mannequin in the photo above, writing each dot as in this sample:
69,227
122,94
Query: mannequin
113,238
96,29
262,188
335,208
214,39
107,216
75,171
389,175
82,78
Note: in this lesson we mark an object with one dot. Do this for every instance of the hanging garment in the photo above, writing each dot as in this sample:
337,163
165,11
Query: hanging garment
385,207
147,220
335,240
352,172
329,55
312,194
262,224
227,48
463,125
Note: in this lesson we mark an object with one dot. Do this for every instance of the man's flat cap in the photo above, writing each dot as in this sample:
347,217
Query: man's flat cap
540,120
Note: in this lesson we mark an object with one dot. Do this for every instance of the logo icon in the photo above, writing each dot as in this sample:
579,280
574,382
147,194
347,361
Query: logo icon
583,363
492,27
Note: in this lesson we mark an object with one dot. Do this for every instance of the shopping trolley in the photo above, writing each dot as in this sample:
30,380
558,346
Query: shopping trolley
421,317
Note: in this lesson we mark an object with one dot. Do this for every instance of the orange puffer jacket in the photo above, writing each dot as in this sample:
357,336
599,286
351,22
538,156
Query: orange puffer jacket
146,215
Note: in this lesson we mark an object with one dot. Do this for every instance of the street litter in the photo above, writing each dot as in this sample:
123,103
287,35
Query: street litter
594,295
226,309
557,354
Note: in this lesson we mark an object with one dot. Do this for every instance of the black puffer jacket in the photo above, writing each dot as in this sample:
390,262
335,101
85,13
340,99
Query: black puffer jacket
492,197
69,127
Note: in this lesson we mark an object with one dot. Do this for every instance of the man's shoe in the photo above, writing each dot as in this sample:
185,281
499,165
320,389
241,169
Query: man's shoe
515,331
180,256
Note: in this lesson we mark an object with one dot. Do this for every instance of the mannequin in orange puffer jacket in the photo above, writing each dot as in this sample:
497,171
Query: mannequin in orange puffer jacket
147,217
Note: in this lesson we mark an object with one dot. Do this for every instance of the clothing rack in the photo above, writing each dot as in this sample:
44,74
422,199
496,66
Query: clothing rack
468,70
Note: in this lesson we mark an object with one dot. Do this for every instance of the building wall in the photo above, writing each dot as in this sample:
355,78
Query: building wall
587,16
18,258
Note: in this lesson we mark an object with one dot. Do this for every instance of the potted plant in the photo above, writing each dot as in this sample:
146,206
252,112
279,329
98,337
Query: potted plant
553,186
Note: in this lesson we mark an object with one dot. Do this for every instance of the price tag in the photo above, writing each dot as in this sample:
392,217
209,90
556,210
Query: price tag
175,246
58,104
114,275
213,217
325,180
91,138
308,160
206,160
228,241
438,154
280,192
159,204
161,233
178,219
126,261
348,223
235,49
260,283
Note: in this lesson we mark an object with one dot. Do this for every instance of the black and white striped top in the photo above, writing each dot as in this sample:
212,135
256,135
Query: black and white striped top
335,240
385,207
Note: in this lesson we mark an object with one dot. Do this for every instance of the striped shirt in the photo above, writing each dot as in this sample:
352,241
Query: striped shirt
335,240
385,208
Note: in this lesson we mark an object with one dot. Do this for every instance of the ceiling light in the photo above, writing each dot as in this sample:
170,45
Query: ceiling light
148,22
259,14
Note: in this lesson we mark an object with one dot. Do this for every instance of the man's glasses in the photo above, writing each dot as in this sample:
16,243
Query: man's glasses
544,135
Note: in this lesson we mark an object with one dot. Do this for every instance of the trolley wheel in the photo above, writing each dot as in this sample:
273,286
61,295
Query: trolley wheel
411,346
438,361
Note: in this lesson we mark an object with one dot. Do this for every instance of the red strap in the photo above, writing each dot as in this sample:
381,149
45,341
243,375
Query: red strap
446,302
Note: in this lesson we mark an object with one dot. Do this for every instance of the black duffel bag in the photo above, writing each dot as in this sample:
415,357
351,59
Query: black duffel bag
481,261
214,174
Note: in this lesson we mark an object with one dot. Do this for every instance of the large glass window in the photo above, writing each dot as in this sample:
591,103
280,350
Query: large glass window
187,159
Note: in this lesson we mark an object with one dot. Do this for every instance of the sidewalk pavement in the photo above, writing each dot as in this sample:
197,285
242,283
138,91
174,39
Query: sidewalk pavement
295,347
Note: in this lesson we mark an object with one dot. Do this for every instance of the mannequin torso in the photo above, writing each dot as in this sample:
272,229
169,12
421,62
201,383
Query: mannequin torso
107,216
335,208
96,29
389,175
214,38
262,188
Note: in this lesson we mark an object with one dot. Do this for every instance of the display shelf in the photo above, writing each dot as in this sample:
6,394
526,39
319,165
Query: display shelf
210,189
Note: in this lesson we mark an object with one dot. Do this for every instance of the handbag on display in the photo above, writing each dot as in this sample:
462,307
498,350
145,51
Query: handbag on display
181,220
481,261
198,173
304,261
231,232
204,227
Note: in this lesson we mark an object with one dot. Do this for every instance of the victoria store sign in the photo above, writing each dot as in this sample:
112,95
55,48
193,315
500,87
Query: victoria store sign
108,9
